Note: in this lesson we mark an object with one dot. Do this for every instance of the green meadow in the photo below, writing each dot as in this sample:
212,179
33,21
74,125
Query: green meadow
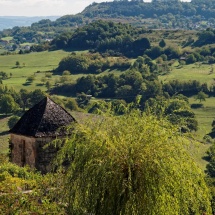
33,64
204,115
4,134
200,72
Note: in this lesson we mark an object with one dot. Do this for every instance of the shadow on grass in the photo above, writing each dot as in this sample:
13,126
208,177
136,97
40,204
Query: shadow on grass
3,133
15,67
206,158
39,85
26,84
2,116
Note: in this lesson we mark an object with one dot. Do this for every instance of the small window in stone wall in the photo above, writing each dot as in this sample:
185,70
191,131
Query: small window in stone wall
23,152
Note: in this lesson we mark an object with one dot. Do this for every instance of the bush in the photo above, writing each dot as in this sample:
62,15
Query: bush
123,165
194,106
12,121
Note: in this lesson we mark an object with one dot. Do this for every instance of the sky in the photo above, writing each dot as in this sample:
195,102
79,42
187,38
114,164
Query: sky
44,7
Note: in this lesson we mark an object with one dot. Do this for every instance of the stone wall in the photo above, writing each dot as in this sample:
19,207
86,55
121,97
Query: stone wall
23,150
45,154
32,152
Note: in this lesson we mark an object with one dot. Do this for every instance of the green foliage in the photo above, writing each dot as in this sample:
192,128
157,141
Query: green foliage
28,99
211,165
12,121
71,104
123,165
30,79
176,110
48,85
17,64
26,192
3,75
7,104
107,37
89,63
66,72
162,43
201,96
112,107
206,37
190,59
82,99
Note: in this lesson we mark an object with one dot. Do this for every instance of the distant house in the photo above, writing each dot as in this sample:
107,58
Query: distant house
37,127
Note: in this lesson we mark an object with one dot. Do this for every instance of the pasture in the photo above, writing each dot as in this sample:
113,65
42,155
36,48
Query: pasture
33,64
204,115
4,137
201,72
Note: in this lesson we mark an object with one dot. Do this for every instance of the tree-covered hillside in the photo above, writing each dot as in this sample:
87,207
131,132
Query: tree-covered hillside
148,88
172,14
11,21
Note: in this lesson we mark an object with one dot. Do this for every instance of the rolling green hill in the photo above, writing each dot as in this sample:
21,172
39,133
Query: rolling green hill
173,14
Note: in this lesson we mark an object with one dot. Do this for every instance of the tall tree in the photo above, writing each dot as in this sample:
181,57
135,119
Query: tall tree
132,164
7,104
24,97
201,96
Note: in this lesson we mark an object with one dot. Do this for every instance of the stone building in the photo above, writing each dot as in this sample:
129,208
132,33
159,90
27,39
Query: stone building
38,126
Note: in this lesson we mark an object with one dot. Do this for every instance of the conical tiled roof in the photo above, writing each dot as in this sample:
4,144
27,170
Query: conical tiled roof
43,120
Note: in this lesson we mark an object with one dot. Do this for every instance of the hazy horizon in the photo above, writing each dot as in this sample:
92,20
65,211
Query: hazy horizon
34,8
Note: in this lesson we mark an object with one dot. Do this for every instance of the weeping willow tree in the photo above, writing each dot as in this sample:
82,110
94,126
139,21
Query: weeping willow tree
132,165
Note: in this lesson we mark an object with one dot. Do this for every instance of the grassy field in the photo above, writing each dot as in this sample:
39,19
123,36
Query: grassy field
198,152
204,115
191,72
3,134
7,38
35,64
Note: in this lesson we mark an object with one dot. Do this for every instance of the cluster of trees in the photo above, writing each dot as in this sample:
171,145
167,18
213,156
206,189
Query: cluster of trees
206,37
122,169
169,14
140,79
120,39
140,87
3,76
105,36
11,101
40,31
212,133
90,64
176,109
156,8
